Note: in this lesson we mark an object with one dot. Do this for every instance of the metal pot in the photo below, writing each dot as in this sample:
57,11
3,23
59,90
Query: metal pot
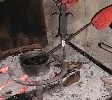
34,63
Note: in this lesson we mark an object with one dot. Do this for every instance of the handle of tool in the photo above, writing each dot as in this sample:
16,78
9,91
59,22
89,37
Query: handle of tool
39,92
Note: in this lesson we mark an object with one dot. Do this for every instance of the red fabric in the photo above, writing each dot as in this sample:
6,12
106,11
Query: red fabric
103,19
68,2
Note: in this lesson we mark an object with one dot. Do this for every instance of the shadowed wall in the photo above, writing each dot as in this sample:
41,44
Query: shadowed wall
22,22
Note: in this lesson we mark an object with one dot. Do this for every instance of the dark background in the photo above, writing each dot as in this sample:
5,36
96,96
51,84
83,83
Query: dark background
22,22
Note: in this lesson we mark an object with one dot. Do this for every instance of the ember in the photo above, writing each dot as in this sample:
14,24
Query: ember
76,81
23,89
4,69
22,77
5,84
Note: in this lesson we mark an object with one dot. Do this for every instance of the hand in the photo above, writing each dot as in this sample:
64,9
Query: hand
103,18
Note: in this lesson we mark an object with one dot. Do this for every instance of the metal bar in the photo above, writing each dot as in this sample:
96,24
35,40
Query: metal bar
63,20
98,63
63,26
39,92
64,69
105,47
34,46
70,37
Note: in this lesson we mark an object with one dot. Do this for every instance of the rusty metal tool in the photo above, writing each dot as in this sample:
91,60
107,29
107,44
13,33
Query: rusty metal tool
69,38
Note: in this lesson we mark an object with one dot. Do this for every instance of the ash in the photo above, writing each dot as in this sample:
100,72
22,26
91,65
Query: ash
89,87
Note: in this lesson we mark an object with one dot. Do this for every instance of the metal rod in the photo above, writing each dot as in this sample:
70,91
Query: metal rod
34,46
70,37
98,63
63,26
105,47
39,92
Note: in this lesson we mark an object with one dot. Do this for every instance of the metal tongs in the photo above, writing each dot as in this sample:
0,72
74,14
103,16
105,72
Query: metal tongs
62,30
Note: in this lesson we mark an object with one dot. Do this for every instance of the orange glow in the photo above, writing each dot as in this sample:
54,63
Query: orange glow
2,97
23,77
4,69
5,84
23,89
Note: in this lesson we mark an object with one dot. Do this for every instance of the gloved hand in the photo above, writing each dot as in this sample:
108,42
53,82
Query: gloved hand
103,18
68,2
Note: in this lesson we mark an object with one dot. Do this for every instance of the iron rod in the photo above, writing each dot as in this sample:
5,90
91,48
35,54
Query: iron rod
98,63
69,38
39,92
105,47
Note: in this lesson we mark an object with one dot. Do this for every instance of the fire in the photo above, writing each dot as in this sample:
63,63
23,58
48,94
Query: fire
22,77
25,78
23,89
2,97
5,84
4,69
